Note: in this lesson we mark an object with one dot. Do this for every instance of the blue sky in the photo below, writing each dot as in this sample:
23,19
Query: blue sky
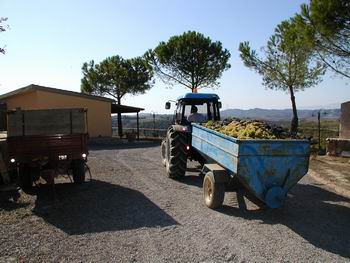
48,41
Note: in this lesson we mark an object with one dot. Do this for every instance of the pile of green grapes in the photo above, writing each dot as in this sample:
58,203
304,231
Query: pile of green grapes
248,129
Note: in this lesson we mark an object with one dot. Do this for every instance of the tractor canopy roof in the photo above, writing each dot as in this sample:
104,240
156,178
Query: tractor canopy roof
199,96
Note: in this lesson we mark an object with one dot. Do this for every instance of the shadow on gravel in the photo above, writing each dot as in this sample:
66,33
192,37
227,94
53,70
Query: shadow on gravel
120,146
194,180
97,206
7,205
197,178
311,212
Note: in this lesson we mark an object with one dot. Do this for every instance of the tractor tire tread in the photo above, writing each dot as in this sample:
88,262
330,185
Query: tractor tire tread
177,161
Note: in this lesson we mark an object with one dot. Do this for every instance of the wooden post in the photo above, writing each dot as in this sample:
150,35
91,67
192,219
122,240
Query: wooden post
138,128
23,124
71,121
319,131
154,124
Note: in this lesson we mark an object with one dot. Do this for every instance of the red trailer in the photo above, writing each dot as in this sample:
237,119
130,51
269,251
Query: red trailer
47,143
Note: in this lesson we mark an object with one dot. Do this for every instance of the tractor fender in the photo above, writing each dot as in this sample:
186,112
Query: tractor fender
181,128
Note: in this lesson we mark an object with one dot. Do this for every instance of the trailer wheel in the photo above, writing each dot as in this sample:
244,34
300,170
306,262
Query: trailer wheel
25,179
78,171
176,157
163,146
214,193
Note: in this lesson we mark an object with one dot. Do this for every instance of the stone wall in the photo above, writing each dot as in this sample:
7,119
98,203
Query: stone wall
344,131
338,147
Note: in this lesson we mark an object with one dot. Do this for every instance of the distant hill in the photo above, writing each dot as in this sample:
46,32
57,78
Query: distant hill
162,121
279,115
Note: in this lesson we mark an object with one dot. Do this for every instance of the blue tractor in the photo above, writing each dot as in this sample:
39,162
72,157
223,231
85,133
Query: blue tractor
176,147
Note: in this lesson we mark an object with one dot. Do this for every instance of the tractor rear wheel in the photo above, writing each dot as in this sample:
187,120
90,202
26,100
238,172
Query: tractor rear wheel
214,193
78,171
175,152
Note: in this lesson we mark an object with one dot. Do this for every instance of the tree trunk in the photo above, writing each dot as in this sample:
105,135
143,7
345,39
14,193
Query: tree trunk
120,124
295,120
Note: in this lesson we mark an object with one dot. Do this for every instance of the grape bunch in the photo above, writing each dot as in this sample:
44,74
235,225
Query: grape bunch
248,129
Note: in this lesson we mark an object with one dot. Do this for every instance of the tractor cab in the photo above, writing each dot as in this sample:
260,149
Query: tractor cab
196,107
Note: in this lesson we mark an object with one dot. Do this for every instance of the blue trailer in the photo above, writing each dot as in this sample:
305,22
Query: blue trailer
268,168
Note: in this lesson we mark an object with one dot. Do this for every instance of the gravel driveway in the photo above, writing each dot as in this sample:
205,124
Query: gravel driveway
130,212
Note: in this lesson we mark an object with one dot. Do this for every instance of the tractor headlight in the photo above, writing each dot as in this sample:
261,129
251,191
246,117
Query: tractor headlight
13,160
84,155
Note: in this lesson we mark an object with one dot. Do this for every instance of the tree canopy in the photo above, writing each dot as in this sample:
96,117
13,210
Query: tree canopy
116,77
190,59
286,63
326,26
3,29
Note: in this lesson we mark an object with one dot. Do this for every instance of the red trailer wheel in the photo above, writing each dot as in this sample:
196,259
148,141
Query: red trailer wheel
78,171
25,179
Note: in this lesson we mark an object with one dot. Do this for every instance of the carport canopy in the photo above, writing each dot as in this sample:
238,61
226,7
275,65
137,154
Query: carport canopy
116,108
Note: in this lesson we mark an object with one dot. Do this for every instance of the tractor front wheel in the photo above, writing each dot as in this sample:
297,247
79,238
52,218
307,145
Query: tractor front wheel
163,146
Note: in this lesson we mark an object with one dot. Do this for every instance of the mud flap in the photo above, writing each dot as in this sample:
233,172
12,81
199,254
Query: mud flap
220,174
